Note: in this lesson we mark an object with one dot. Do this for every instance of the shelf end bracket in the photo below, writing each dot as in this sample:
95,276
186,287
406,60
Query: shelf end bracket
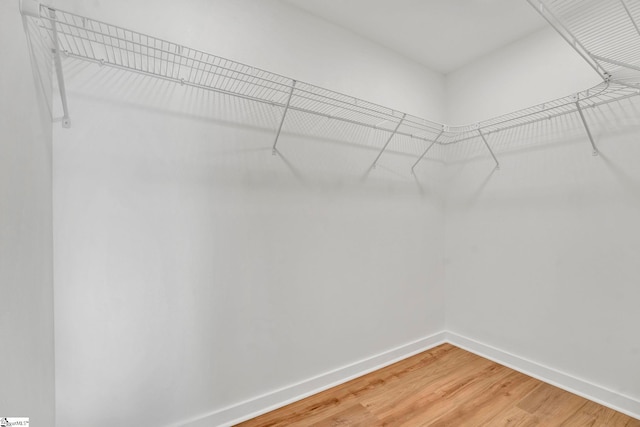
274,151
384,148
66,122
484,139
586,126
427,150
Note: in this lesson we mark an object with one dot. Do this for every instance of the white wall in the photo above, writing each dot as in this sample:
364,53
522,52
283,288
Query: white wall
194,270
542,255
26,293
539,68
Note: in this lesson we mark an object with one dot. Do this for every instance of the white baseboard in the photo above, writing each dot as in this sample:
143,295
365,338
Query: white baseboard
586,389
278,398
267,402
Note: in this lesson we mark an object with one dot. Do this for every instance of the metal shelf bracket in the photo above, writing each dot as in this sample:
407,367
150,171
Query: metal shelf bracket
73,36
274,151
427,150
484,139
586,126
375,162
66,122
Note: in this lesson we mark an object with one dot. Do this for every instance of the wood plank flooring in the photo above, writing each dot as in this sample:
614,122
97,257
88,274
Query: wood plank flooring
445,386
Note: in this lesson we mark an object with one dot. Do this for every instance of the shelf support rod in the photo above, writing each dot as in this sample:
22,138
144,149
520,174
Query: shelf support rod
633,21
586,127
66,122
484,139
618,63
284,115
625,84
426,151
375,162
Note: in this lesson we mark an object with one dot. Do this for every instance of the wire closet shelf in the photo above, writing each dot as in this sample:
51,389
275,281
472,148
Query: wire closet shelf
586,25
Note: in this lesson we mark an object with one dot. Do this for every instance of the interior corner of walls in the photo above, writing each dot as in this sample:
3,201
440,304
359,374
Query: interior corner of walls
448,110
589,390
278,398
514,77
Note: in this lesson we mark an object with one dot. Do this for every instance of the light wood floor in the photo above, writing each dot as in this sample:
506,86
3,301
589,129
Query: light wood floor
445,386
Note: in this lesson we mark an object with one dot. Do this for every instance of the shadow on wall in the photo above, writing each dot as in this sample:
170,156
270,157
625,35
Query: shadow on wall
617,117
326,153
316,151
534,157
41,63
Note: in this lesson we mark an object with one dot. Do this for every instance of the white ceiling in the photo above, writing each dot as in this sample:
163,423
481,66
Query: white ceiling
443,35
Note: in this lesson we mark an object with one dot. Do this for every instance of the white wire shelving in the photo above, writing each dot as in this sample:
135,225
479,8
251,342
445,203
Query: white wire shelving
605,33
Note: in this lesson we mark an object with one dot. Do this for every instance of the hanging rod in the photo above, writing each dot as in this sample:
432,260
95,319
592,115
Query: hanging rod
82,38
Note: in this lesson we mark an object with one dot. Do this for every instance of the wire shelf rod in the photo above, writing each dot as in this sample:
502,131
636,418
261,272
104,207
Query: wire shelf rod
579,23
263,101
133,42
155,49
198,60
550,117
541,109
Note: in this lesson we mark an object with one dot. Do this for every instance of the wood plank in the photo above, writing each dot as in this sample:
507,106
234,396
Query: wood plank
445,397
549,403
592,414
354,416
513,417
325,403
428,387
445,386
487,400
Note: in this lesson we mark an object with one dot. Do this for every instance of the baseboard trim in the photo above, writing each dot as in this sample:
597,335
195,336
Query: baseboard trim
572,384
281,397
275,399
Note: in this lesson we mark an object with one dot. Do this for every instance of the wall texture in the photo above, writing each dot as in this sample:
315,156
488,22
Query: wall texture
26,317
194,270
